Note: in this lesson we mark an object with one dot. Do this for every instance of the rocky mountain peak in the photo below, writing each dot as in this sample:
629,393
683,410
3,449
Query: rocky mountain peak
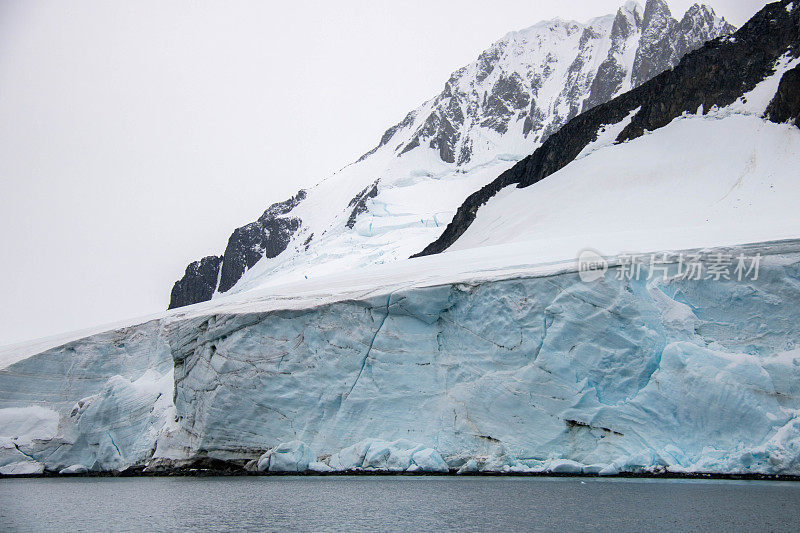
699,24
627,22
516,94
657,48
633,9
665,40
542,76
656,14
702,16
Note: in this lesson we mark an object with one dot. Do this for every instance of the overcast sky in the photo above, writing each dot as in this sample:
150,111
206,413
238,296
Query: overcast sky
135,136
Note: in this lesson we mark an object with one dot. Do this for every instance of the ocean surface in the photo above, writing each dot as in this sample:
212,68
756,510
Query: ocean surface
395,503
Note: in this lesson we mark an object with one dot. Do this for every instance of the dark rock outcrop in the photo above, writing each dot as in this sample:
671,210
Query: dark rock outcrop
441,129
785,106
507,97
716,74
359,203
198,284
266,237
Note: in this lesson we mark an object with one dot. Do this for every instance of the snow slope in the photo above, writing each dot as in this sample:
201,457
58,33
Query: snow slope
702,180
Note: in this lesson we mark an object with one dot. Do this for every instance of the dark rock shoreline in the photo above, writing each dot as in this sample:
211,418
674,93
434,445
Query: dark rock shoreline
216,468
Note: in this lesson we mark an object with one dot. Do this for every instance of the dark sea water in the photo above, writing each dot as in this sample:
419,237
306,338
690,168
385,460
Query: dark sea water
362,503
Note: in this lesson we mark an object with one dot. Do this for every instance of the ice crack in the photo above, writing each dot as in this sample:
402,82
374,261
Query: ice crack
371,343
23,453
113,443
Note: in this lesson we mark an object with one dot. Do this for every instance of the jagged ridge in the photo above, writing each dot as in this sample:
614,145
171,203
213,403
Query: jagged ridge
467,104
715,75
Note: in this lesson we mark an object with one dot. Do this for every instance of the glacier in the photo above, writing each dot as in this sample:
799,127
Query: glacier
536,372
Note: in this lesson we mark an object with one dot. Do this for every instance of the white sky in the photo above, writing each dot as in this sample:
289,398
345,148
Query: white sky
135,136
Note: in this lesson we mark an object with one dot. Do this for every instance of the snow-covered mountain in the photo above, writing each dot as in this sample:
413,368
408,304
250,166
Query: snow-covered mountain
397,198
493,353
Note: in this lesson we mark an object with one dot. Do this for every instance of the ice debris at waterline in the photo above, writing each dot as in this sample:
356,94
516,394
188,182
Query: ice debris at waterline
538,372
368,455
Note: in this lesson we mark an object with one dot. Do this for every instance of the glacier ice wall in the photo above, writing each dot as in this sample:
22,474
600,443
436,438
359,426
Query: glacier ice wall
539,373
110,396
